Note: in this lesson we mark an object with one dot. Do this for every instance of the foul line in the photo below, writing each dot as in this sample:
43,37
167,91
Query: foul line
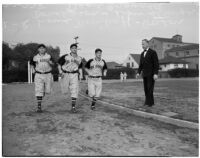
177,122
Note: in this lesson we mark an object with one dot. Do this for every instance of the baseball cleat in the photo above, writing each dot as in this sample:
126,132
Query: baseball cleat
74,110
92,107
86,92
39,110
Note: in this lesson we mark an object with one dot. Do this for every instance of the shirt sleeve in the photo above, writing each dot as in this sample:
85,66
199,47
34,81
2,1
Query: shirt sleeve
87,65
32,62
61,60
80,65
105,65
51,58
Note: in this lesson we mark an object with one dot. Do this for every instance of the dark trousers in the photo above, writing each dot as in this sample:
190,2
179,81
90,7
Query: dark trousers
148,90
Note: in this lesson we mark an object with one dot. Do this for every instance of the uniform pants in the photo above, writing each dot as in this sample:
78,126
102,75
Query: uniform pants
70,83
148,89
43,84
94,87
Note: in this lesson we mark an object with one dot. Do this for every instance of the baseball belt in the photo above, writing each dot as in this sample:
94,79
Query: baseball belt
42,72
95,76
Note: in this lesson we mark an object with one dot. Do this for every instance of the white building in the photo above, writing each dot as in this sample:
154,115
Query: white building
169,63
132,61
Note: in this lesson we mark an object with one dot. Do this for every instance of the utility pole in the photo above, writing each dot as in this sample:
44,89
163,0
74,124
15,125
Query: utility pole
76,42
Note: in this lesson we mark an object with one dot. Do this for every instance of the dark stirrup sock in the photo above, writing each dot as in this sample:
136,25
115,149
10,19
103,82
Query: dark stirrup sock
73,102
39,101
94,100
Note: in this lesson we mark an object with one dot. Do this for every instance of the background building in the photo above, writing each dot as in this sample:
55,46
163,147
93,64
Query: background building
160,45
189,53
132,61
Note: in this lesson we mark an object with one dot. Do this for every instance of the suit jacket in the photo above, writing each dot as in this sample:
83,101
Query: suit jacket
149,64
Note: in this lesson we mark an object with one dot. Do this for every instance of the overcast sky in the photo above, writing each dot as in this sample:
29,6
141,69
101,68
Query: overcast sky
115,28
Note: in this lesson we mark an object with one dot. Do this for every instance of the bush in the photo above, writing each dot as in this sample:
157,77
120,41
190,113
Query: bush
18,75
115,73
176,73
14,75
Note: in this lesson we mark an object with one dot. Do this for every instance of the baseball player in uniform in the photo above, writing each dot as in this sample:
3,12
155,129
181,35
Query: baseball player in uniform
70,69
95,68
41,65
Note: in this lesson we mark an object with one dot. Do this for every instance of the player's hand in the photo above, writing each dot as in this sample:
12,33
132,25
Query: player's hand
61,75
137,75
104,73
50,62
155,77
80,77
33,71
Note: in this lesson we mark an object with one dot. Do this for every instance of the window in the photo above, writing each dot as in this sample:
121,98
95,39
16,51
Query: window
129,58
187,53
155,46
177,54
175,65
128,65
168,45
132,64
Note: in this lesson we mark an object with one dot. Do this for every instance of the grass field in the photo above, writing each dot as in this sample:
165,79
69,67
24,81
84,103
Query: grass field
177,96
103,132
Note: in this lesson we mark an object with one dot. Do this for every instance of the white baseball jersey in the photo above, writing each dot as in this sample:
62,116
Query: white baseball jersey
96,67
41,62
69,63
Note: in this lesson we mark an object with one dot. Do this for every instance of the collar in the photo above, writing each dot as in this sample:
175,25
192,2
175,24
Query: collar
147,49
42,55
97,60
72,56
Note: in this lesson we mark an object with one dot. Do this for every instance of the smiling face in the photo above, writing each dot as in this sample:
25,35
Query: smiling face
73,49
41,50
98,54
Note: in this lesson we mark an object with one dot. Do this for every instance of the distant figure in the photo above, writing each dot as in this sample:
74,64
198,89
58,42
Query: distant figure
125,76
121,77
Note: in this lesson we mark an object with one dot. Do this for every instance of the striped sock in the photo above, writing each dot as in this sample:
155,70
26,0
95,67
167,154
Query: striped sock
39,100
73,102
94,100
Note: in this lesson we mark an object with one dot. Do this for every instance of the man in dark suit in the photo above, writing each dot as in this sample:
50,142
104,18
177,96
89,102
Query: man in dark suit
149,66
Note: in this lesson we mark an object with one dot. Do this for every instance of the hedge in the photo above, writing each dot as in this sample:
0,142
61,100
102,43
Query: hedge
17,75
180,72
115,73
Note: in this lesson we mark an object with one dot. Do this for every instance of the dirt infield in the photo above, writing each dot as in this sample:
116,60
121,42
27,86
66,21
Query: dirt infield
103,132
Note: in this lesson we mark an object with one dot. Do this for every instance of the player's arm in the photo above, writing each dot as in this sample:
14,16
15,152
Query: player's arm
80,69
33,64
51,61
105,68
61,62
87,67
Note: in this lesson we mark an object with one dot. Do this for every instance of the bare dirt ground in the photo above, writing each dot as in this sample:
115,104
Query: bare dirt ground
103,132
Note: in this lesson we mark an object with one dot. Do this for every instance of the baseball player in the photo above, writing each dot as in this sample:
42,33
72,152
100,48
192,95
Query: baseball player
41,65
70,69
95,68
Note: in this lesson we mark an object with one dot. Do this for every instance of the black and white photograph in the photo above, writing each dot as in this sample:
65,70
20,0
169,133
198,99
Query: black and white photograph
100,79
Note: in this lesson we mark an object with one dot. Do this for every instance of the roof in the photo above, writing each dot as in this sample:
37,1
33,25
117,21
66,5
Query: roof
166,40
112,64
136,57
180,48
171,60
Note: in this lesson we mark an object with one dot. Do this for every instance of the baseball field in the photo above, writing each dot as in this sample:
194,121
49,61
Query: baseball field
107,131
